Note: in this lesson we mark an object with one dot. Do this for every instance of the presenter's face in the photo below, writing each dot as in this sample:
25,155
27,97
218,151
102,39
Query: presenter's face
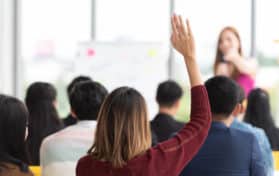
228,42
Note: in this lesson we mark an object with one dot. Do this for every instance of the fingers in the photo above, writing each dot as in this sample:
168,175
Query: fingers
179,28
182,26
189,28
173,24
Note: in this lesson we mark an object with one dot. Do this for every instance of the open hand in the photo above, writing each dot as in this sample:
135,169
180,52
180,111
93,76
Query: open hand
182,38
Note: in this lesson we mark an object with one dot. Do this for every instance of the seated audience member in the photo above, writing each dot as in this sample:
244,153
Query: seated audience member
122,145
70,120
60,152
226,151
258,113
13,133
168,97
258,133
41,103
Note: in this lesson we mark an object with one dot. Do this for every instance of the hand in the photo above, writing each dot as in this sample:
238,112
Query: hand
182,38
232,56
223,70
183,41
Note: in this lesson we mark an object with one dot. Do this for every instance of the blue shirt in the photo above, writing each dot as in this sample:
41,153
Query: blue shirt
227,152
263,142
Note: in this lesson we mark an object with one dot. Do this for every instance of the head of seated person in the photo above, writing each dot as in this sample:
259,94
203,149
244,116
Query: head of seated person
70,120
223,95
13,133
168,97
86,99
123,128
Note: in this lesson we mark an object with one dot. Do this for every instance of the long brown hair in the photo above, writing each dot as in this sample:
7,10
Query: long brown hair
219,54
123,130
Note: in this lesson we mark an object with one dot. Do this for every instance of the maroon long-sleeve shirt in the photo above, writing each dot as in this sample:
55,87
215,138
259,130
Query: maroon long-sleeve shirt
167,158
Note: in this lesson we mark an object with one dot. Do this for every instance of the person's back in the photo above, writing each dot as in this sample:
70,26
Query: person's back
227,151
263,143
60,152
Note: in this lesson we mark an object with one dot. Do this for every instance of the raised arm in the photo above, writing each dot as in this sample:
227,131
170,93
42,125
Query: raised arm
183,41
176,152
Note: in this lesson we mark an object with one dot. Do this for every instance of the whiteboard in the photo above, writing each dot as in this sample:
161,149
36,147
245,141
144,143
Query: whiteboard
139,65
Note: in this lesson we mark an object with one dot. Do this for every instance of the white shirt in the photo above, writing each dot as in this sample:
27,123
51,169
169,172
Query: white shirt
60,151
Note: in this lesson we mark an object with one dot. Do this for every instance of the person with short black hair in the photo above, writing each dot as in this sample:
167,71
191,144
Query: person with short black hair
60,151
70,120
227,151
164,125
44,120
13,132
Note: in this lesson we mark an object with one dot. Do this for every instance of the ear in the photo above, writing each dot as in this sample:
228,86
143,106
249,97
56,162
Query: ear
237,110
55,103
73,114
177,103
242,109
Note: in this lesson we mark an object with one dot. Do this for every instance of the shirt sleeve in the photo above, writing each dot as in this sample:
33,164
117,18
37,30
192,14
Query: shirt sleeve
257,161
176,152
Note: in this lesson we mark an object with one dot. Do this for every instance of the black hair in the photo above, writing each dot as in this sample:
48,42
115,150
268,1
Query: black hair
86,99
13,121
44,119
168,93
258,113
76,81
223,95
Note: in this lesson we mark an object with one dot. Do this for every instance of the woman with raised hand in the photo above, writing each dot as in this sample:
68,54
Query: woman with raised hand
123,139
13,133
230,62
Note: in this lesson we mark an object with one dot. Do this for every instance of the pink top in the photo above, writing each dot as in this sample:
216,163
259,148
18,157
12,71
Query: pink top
246,82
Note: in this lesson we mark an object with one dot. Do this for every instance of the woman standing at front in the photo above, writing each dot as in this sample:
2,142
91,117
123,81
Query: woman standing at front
122,144
229,60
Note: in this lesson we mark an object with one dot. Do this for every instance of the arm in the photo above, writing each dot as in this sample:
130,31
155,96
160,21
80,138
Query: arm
244,66
183,41
176,152
257,161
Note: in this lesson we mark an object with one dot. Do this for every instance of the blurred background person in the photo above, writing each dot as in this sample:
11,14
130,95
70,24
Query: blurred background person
41,103
60,151
168,97
13,133
230,62
70,120
258,114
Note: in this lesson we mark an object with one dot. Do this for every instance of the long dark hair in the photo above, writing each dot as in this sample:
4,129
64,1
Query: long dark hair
258,113
13,121
44,118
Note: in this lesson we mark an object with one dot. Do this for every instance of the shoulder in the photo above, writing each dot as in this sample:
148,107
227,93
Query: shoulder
242,134
85,160
14,170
